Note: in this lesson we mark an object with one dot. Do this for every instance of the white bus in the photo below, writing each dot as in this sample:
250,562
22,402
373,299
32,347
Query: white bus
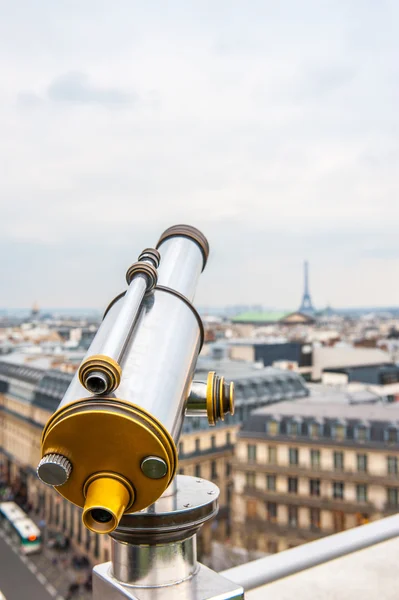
22,530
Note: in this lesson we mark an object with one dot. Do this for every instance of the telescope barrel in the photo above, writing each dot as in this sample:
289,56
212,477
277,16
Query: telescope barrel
110,447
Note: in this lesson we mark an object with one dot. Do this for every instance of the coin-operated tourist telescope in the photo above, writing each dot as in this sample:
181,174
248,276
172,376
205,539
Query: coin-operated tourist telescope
111,446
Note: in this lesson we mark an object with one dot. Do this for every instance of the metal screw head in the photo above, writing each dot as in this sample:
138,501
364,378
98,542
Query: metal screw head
54,469
154,467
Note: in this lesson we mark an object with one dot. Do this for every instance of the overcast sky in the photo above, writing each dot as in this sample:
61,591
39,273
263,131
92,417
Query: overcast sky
271,126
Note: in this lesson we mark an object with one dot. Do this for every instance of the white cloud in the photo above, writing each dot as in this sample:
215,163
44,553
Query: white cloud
273,126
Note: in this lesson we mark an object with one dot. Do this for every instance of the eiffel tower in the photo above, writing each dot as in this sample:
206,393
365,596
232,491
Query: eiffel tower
306,304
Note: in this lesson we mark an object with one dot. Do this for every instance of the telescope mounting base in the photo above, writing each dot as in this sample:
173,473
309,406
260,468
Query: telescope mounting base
154,551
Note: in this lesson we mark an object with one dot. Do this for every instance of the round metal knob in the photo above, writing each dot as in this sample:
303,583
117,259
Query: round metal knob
54,469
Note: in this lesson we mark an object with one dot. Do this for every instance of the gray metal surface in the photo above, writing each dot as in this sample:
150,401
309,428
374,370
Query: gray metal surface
130,306
159,362
205,585
196,403
54,469
154,467
265,570
154,565
187,503
180,266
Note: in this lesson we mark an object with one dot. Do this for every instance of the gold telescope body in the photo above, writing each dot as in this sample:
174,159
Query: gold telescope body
110,447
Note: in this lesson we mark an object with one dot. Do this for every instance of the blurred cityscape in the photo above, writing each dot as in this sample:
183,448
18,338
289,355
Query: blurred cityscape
312,448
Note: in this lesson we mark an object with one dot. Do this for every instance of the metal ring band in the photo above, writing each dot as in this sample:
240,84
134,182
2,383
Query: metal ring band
145,269
114,301
190,232
104,364
210,404
162,288
151,254
221,398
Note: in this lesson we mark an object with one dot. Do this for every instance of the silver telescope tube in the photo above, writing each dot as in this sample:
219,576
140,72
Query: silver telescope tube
113,450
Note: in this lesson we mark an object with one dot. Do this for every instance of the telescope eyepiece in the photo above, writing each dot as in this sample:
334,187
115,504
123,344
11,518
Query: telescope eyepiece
97,382
100,515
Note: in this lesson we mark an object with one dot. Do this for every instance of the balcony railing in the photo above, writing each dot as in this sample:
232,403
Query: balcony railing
258,525
321,502
207,452
389,479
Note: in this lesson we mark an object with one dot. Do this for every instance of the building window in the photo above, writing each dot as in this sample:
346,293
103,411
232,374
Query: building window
315,518
361,492
272,547
181,471
338,520
228,469
392,497
271,483
251,479
197,470
314,430
315,459
314,487
251,452
228,438
362,463
252,508
293,428
96,545
57,511
214,472
88,539
338,490
79,535
229,493
339,432
197,444
391,435
72,521
339,461
271,508
181,449
293,516
292,485
213,441
293,456
272,455
272,427
64,515
392,465
362,433
305,429
362,518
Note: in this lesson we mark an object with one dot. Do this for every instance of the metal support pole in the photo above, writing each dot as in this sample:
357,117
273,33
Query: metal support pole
154,552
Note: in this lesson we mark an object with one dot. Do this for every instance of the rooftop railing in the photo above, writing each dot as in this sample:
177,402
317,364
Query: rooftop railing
271,568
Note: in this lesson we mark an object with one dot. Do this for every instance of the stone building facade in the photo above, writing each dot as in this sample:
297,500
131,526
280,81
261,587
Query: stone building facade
307,470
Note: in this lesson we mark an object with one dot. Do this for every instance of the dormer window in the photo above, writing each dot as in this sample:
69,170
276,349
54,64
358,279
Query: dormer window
294,426
362,432
314,429
339,431
273,426
391,434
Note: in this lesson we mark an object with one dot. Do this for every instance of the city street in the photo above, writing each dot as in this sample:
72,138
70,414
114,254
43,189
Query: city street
19,578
